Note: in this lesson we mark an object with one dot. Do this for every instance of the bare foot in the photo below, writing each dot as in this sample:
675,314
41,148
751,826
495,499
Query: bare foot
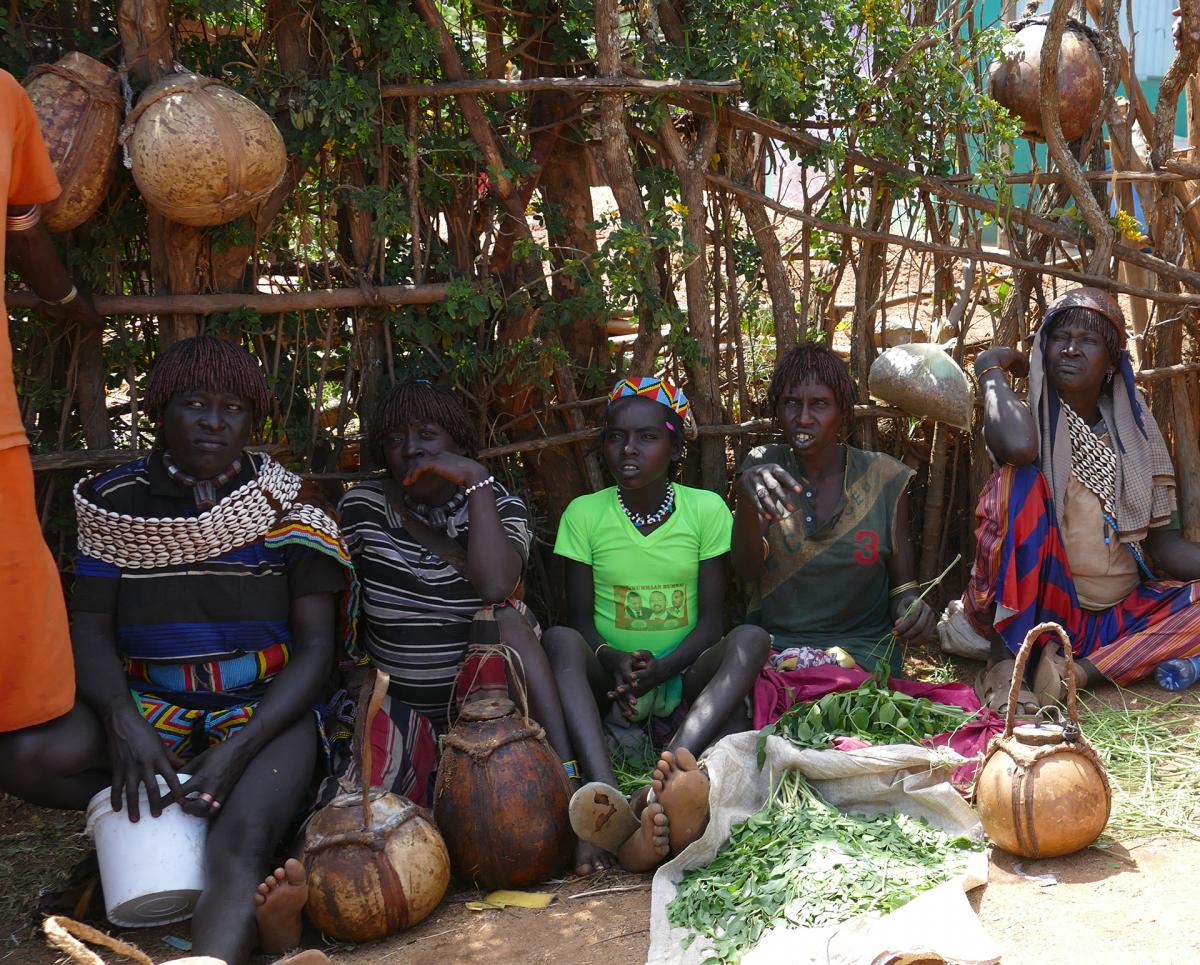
650,844
591,859
681,787
277,906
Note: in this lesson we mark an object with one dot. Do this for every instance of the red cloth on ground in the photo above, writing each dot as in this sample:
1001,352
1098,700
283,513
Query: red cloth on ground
776,691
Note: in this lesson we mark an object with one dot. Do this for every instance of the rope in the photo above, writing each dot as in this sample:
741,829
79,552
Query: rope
61,933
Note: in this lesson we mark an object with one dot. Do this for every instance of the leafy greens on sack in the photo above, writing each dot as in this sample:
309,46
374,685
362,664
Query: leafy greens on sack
802,861
871,712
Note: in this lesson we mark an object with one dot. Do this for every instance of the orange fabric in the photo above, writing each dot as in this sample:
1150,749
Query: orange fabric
26,177
37,674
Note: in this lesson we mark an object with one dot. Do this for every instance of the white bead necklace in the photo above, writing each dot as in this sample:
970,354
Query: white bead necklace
663,511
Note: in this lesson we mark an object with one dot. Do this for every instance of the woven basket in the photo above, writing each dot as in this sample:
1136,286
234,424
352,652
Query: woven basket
79,108
202,154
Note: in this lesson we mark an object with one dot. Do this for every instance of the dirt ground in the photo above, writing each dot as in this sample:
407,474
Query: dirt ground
1128,901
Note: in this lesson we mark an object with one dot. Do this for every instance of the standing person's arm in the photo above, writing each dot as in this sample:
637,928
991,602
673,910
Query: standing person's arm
33,256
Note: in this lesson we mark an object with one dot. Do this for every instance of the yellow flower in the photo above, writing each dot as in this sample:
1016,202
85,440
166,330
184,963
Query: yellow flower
679,208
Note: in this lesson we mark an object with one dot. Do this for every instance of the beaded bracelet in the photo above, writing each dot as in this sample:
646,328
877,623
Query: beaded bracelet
479,485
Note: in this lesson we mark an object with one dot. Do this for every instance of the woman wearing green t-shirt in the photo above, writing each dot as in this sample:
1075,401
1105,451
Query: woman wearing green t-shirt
646,567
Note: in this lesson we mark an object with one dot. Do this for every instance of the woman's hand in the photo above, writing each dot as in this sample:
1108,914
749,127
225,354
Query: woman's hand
915,619
768,490
1008,359
137,754
450,466
649,672
213,775
624,668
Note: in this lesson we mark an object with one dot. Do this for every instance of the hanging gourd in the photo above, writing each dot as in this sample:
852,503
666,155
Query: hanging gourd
1042,791
1014,81
501,798
78,105
376,864
202,154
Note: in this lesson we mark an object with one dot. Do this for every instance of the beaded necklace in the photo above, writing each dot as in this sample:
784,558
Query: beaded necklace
663,511
441,517
204,491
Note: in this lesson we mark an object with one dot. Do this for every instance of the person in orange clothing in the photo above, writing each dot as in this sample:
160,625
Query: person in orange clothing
37,677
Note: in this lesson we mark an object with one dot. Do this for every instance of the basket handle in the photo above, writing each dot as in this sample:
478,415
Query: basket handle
370,699
1019,673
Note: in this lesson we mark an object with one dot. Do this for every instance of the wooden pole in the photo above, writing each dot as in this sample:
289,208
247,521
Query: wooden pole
530,85
264,302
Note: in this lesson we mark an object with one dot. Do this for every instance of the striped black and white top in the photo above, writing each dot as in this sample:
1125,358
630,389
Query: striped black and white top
416,608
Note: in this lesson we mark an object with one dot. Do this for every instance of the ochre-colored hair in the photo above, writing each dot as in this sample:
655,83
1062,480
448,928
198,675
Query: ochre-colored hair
810,362
1093,321
417,403
207,364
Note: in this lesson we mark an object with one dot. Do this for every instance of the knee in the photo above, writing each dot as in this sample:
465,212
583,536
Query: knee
564,646
27,753
751,644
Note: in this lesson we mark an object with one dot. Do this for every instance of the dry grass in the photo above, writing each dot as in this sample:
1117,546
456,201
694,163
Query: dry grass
38,848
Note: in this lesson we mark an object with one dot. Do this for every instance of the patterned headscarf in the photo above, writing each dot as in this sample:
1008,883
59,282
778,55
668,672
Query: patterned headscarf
661,391
1142,459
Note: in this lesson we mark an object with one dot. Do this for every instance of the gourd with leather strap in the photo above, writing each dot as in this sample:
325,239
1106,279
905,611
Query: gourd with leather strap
1042,791
376,863
202,153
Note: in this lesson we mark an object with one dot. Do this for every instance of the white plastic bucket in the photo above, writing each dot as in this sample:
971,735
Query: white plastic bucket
153,870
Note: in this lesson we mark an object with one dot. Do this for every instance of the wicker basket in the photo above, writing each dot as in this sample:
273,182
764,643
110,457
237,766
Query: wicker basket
202,154
79,107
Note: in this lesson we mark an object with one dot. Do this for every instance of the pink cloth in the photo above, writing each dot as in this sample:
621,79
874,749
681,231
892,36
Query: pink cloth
776,691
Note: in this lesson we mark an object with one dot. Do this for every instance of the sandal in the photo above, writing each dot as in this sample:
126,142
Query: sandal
600,815
993,685
1050,678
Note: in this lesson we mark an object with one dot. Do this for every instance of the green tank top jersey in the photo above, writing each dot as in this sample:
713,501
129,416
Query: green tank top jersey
827,586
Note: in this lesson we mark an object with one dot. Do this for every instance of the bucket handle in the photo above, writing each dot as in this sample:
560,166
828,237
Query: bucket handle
370,699
1019,673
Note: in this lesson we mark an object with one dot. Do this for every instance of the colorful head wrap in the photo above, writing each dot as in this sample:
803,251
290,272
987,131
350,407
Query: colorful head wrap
656,390
662,392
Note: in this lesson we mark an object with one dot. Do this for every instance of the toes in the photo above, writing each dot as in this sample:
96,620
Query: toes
292,871
685,760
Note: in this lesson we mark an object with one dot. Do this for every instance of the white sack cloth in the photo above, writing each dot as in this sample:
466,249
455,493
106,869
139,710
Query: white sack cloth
870,781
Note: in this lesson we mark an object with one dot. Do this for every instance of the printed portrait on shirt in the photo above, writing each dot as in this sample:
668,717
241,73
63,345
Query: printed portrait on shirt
661,607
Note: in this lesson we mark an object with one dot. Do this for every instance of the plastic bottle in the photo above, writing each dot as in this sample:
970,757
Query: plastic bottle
1178,674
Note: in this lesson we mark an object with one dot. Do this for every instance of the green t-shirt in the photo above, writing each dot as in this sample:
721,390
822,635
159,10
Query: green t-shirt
828,586
645,586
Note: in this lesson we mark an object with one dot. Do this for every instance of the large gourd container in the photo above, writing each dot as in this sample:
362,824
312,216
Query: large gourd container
1042,791
202,153
78,104
376,863
1014,81
501,798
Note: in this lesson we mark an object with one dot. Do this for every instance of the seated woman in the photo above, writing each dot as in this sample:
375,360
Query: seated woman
1081,514
630,550
439,547
203,628
821,533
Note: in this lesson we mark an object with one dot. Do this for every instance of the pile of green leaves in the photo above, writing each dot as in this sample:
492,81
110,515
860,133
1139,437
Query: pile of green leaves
871,712
803,861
